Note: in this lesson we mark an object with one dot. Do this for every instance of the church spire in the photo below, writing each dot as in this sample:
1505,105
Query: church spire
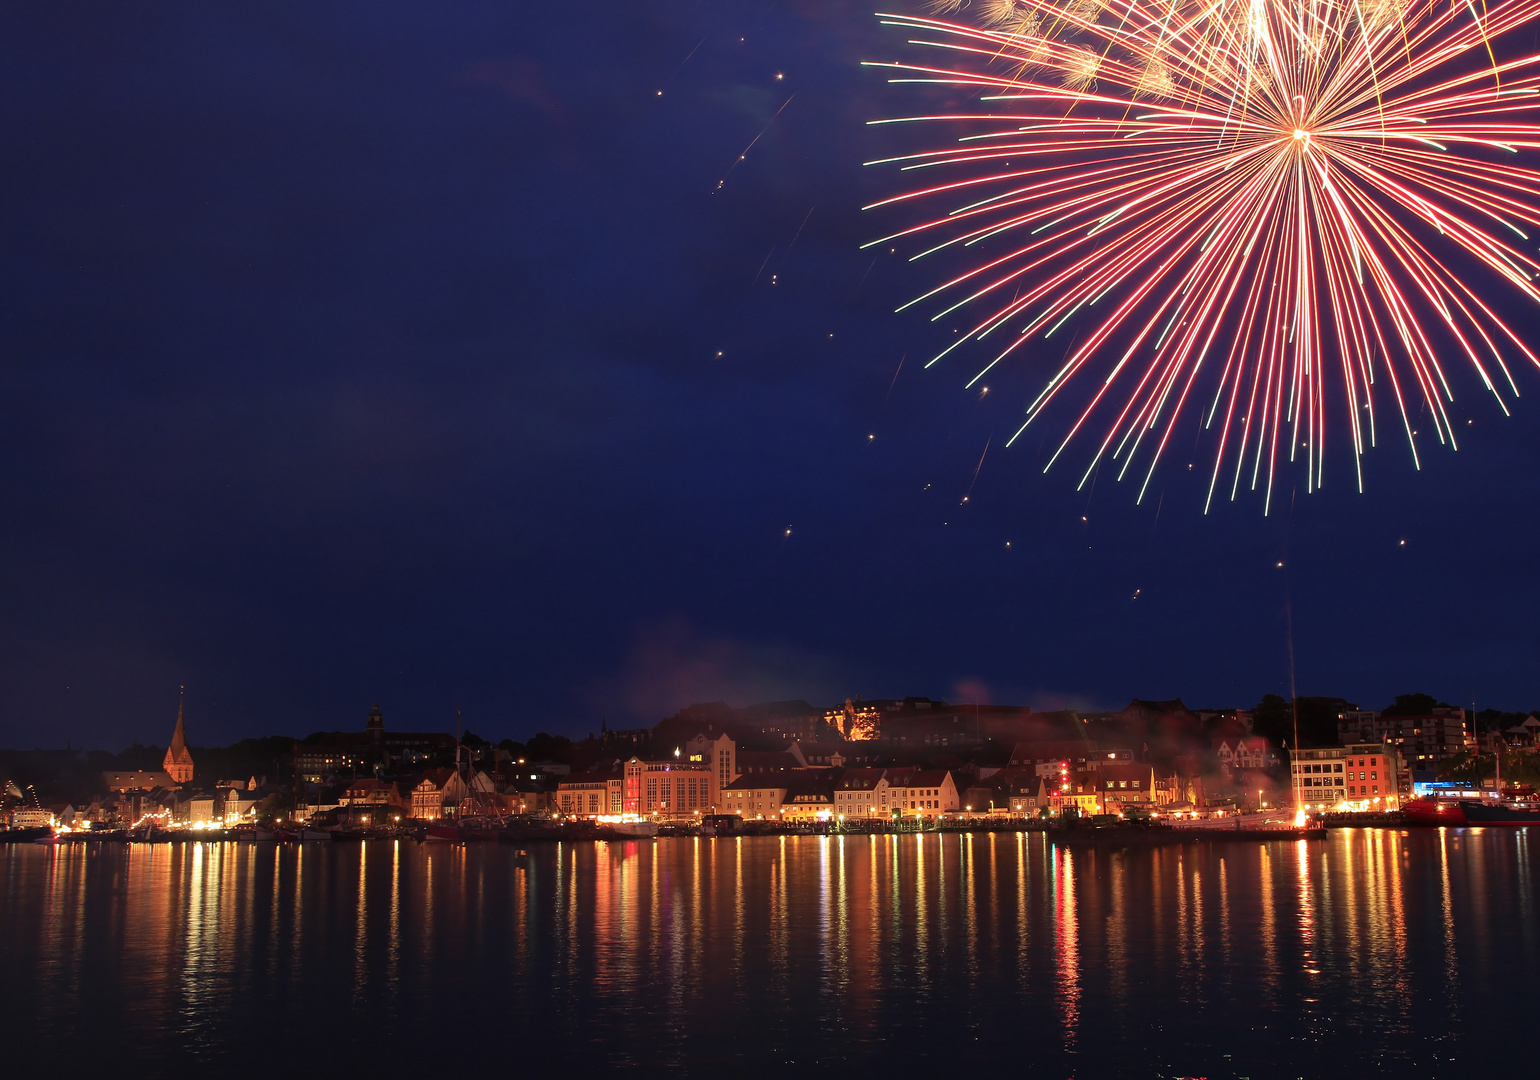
179,737
179,762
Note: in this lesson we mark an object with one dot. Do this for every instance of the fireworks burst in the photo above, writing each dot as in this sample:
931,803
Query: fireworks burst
1300,201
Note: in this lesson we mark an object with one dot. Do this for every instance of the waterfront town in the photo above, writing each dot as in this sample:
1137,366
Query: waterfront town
857,764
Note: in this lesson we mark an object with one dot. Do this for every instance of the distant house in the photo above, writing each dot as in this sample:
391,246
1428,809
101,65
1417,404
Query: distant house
1121,784
1253,752
138,780
923,792
372,792
63,813
862,793
238,804
203,809
767,762
1052,756
1524,733
1030,795
589,794
831,755
754,798
809,796
428,794
1076,790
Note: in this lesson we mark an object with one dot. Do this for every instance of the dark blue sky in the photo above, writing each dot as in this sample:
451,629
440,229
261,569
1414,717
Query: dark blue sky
369,352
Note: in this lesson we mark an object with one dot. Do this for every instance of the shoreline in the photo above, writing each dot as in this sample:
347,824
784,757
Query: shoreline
1059,835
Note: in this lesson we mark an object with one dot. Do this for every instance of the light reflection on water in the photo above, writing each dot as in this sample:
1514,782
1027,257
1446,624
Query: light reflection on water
1366,954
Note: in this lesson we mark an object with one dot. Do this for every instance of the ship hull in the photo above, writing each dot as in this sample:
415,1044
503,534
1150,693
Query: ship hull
1489,814
633,829
1434,813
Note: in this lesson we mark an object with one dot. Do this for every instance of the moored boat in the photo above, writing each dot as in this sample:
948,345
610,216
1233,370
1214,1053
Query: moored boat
24,836
634,828
444,831
1433,812
252,834
1483,813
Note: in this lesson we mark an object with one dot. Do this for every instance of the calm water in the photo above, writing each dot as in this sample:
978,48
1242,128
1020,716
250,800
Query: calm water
1370,953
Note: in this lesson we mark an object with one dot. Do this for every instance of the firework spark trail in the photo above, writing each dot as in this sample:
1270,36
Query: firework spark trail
1300,200
722,182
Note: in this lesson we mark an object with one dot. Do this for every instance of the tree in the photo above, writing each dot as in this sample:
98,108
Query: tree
546,747
1273,720
1497,720
1275,717
1414,705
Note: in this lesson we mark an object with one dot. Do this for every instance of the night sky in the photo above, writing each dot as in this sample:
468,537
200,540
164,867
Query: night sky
429,355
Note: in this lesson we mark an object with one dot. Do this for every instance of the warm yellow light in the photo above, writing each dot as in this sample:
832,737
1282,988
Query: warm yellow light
1299,134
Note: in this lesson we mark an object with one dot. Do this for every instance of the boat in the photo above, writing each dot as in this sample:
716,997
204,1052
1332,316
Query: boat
634,828
313,834
1436,813
25,835
252,834
480,829
477,817
1503,813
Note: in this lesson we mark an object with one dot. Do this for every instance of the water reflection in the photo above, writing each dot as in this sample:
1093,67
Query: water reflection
1066,926
832,950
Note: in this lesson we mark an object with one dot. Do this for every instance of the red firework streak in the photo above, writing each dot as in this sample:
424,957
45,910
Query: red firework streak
1262,211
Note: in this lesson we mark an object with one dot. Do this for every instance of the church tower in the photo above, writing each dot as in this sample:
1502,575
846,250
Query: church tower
179,762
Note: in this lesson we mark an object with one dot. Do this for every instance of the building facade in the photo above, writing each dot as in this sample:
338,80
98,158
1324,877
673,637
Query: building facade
670,788
1359,776
1423,741
589,795
862,793
719,752
754,798
1126,784
922,792
1252,752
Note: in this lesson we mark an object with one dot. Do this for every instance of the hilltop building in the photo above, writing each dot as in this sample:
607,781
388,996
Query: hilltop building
1424,740
342,752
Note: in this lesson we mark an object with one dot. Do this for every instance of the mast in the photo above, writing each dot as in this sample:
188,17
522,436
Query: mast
1497,758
